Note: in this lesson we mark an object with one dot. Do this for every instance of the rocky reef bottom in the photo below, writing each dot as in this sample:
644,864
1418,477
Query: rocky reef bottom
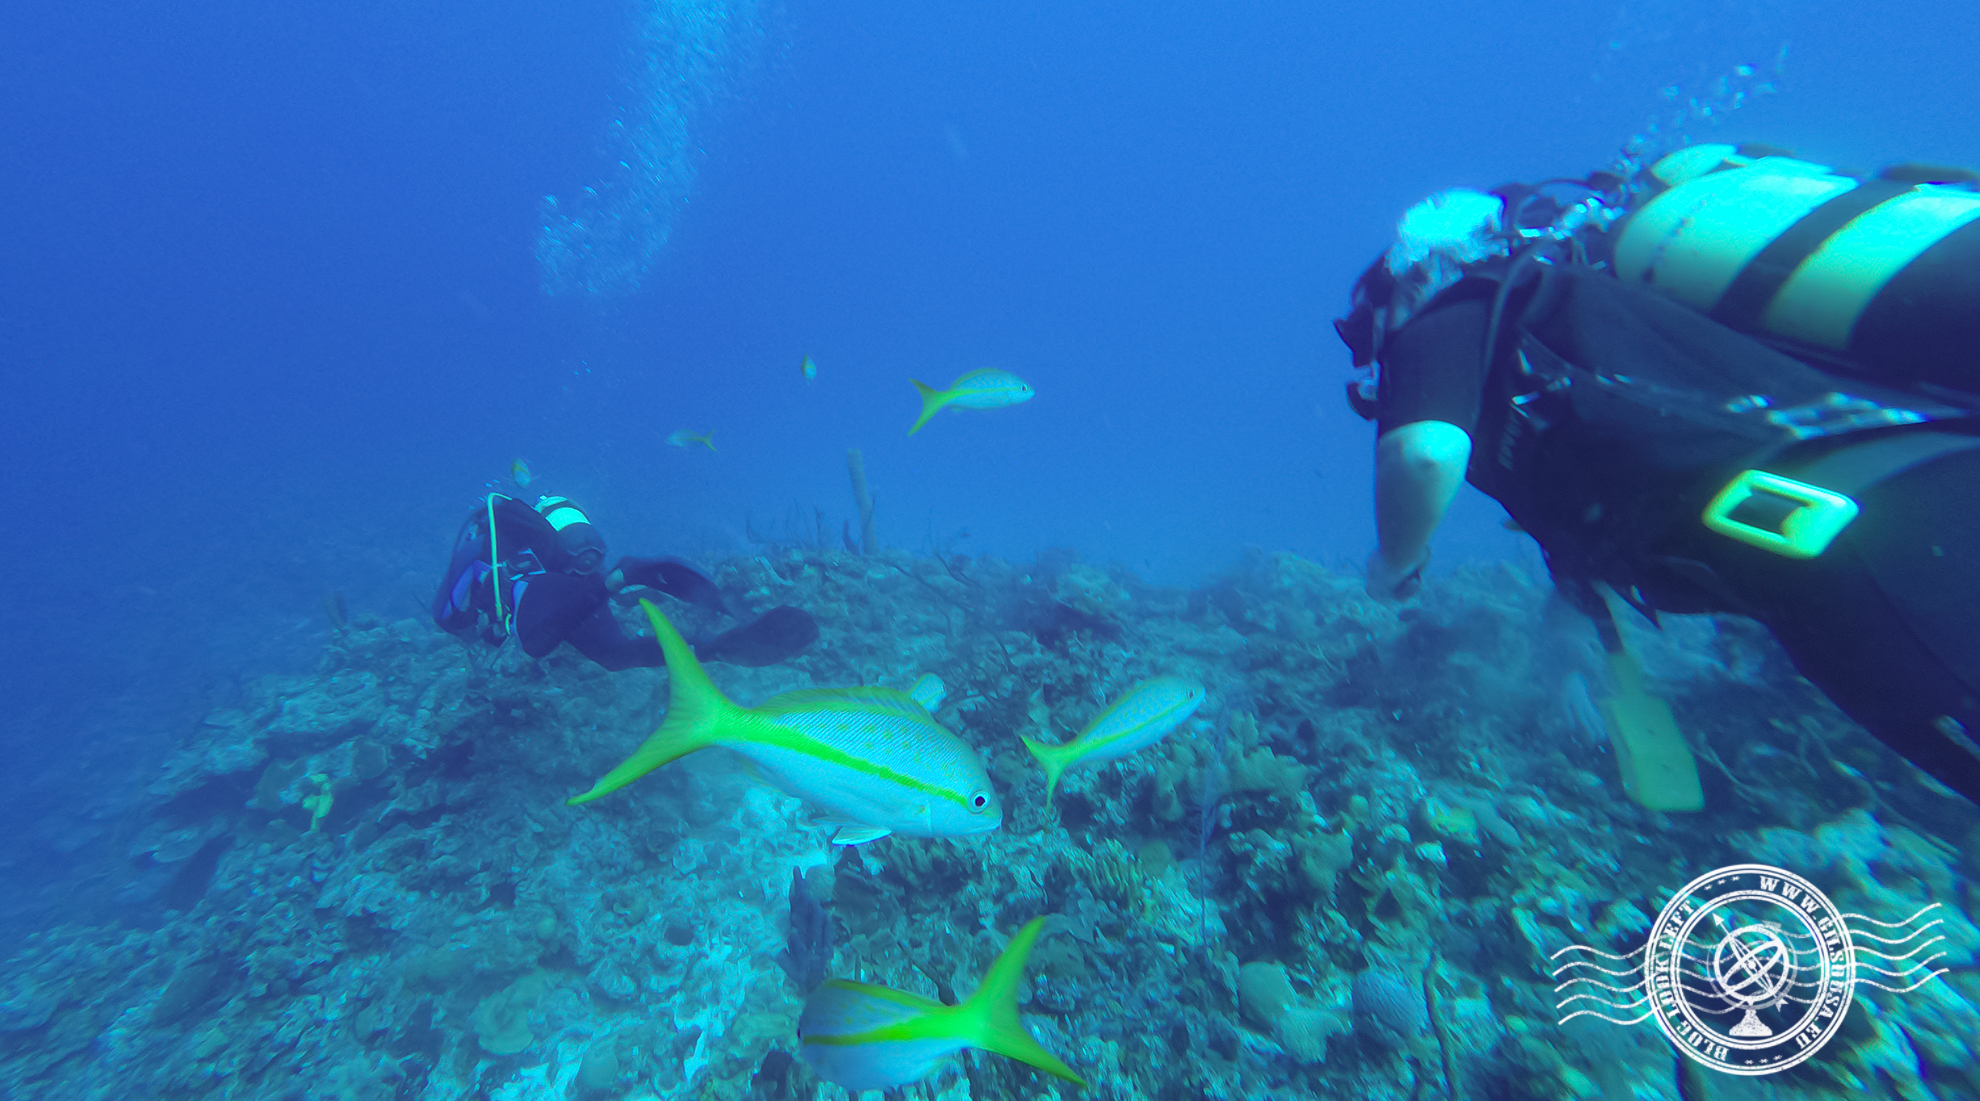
1350,875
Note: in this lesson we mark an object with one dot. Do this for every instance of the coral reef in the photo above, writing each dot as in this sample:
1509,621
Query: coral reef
1344,877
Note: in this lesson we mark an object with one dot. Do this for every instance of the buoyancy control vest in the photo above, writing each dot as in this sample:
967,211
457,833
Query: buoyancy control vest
1616,421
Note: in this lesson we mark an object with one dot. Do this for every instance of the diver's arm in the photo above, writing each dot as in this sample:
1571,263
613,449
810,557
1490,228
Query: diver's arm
1418,469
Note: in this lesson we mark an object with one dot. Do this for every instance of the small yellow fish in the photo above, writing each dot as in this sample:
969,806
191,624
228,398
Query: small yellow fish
809,369
520,473
1137,720
929,691
985,389
681,437
871,758
865,1037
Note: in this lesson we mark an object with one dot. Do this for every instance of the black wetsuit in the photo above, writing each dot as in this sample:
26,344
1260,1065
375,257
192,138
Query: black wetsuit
545,598
1606,417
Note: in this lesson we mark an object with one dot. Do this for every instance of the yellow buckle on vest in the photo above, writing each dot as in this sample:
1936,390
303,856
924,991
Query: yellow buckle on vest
1818,516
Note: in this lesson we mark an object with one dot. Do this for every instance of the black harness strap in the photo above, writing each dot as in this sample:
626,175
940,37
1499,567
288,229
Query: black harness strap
1855,467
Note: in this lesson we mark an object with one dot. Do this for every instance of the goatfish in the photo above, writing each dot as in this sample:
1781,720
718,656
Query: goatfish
865,1037
681,437
872,758
985,389
1137,720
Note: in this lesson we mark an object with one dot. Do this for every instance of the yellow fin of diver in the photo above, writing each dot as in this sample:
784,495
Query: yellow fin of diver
1658,770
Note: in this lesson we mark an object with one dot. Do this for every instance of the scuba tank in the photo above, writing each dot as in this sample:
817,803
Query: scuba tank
1880,275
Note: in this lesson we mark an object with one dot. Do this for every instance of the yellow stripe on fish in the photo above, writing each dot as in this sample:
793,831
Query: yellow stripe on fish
872,757
1137,720
865,1037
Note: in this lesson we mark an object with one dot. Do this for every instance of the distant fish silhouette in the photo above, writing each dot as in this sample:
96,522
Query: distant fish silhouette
808,944
777,635
681,437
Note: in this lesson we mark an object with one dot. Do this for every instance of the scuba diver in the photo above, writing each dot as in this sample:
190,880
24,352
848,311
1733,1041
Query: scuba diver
536,572
1735,382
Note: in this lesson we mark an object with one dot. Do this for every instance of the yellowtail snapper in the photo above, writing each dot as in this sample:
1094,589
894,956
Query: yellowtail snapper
865,1037
870,757
985,389
681,437
1137,720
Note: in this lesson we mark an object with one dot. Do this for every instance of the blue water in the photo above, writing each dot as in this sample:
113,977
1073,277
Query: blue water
282,292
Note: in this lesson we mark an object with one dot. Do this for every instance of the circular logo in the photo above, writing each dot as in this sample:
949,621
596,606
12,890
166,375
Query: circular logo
1749,969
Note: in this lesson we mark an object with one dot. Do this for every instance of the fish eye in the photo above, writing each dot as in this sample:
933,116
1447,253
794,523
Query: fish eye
979,801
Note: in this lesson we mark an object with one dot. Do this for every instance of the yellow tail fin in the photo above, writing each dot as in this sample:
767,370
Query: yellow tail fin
696,710
932,401
991,1014
1053,760
1658,769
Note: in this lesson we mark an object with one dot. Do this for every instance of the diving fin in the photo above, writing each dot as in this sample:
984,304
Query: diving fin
777,635
1658,770
671,576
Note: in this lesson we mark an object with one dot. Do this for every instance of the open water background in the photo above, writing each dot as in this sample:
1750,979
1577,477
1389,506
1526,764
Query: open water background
272,311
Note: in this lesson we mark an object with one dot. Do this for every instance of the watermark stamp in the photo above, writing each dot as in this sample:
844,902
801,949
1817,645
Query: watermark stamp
1748,969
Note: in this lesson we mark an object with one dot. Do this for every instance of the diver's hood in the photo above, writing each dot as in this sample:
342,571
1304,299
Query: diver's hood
583,548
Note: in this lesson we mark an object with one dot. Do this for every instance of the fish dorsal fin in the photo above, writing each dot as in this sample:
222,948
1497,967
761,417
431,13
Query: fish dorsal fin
990,1016
840,699
696,713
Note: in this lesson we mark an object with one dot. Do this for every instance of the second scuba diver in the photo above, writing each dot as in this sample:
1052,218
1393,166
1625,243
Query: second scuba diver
537,572
1736,382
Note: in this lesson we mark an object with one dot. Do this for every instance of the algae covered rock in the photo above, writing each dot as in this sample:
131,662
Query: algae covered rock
600,1067
26,1004
1268,1000
501,1020
1264,993
188,990
1388,1008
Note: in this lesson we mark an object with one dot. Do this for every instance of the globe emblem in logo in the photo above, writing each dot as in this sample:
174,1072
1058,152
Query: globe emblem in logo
1753,967
1748,969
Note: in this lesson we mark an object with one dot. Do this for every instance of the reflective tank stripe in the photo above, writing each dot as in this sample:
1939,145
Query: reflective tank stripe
1745,302
1821,301
1692,241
